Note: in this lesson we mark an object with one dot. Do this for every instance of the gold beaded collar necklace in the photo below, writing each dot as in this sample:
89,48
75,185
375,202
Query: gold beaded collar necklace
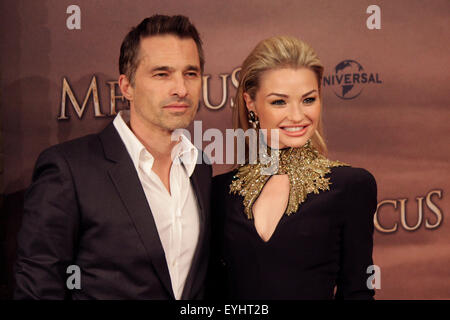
305,168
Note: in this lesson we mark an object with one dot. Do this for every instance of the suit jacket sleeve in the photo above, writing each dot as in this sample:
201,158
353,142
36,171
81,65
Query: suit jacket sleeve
47,238
357,237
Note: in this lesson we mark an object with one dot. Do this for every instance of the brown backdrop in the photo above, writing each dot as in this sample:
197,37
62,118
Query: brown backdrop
397,128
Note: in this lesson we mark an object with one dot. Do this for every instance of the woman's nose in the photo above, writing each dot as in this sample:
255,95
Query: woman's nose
296,113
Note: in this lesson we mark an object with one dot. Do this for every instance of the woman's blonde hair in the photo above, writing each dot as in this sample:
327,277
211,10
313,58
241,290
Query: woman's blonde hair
275,53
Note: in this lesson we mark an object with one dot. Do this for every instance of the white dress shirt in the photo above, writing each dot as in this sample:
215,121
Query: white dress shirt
176,214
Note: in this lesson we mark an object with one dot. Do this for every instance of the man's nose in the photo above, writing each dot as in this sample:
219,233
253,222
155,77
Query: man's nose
179,87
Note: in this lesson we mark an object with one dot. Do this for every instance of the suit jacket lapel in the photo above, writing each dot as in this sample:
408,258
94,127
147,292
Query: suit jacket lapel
129,188
193,282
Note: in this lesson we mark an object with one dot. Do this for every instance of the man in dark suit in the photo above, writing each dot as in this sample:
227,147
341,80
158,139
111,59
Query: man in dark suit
124,214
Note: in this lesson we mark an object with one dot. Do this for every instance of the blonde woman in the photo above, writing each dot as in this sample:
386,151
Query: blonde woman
305,231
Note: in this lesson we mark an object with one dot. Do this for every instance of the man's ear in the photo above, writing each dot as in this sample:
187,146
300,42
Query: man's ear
126,88
249,103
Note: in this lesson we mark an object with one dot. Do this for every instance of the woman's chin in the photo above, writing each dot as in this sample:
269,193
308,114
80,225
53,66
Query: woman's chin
286,141
293,142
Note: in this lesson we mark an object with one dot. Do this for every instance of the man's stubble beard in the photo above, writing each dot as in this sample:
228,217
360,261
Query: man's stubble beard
165,119
172,121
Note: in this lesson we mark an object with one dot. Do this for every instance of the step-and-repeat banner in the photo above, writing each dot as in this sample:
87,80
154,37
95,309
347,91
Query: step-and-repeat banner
386,102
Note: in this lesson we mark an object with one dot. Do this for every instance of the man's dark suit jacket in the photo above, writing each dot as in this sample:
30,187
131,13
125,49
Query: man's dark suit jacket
86,207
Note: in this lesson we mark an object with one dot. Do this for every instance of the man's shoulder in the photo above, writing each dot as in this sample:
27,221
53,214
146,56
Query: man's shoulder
74,147
87,146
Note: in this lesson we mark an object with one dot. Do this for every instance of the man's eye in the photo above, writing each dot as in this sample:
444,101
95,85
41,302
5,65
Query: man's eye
278,102
309,100
192,74
161,75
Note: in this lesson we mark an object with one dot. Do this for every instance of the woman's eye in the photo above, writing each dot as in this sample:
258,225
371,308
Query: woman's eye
309,100
278,102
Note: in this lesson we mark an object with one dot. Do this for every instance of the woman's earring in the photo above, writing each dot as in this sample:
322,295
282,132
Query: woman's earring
254,121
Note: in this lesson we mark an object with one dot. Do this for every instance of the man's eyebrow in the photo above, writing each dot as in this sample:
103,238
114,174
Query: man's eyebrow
192,68
171,69
162,68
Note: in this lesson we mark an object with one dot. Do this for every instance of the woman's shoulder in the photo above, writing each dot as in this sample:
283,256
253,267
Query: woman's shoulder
220,195
358,184
352,176
224,178
221,182
359,189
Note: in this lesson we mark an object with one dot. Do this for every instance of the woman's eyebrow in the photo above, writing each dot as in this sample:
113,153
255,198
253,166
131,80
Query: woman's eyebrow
278,94
308,93
286,96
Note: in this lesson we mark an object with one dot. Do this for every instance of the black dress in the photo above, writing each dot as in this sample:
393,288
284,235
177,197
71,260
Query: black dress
326,243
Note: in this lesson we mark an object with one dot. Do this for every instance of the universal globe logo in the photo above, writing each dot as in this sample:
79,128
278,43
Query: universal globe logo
350,79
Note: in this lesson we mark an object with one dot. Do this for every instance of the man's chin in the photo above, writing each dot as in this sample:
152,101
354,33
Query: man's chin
177,120
178,125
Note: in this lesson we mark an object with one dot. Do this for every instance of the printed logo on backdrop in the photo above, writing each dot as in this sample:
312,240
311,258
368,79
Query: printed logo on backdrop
350,79
70,103
391,214
395,214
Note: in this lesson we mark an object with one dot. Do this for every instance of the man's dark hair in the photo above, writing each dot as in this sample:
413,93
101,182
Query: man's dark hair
179,26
